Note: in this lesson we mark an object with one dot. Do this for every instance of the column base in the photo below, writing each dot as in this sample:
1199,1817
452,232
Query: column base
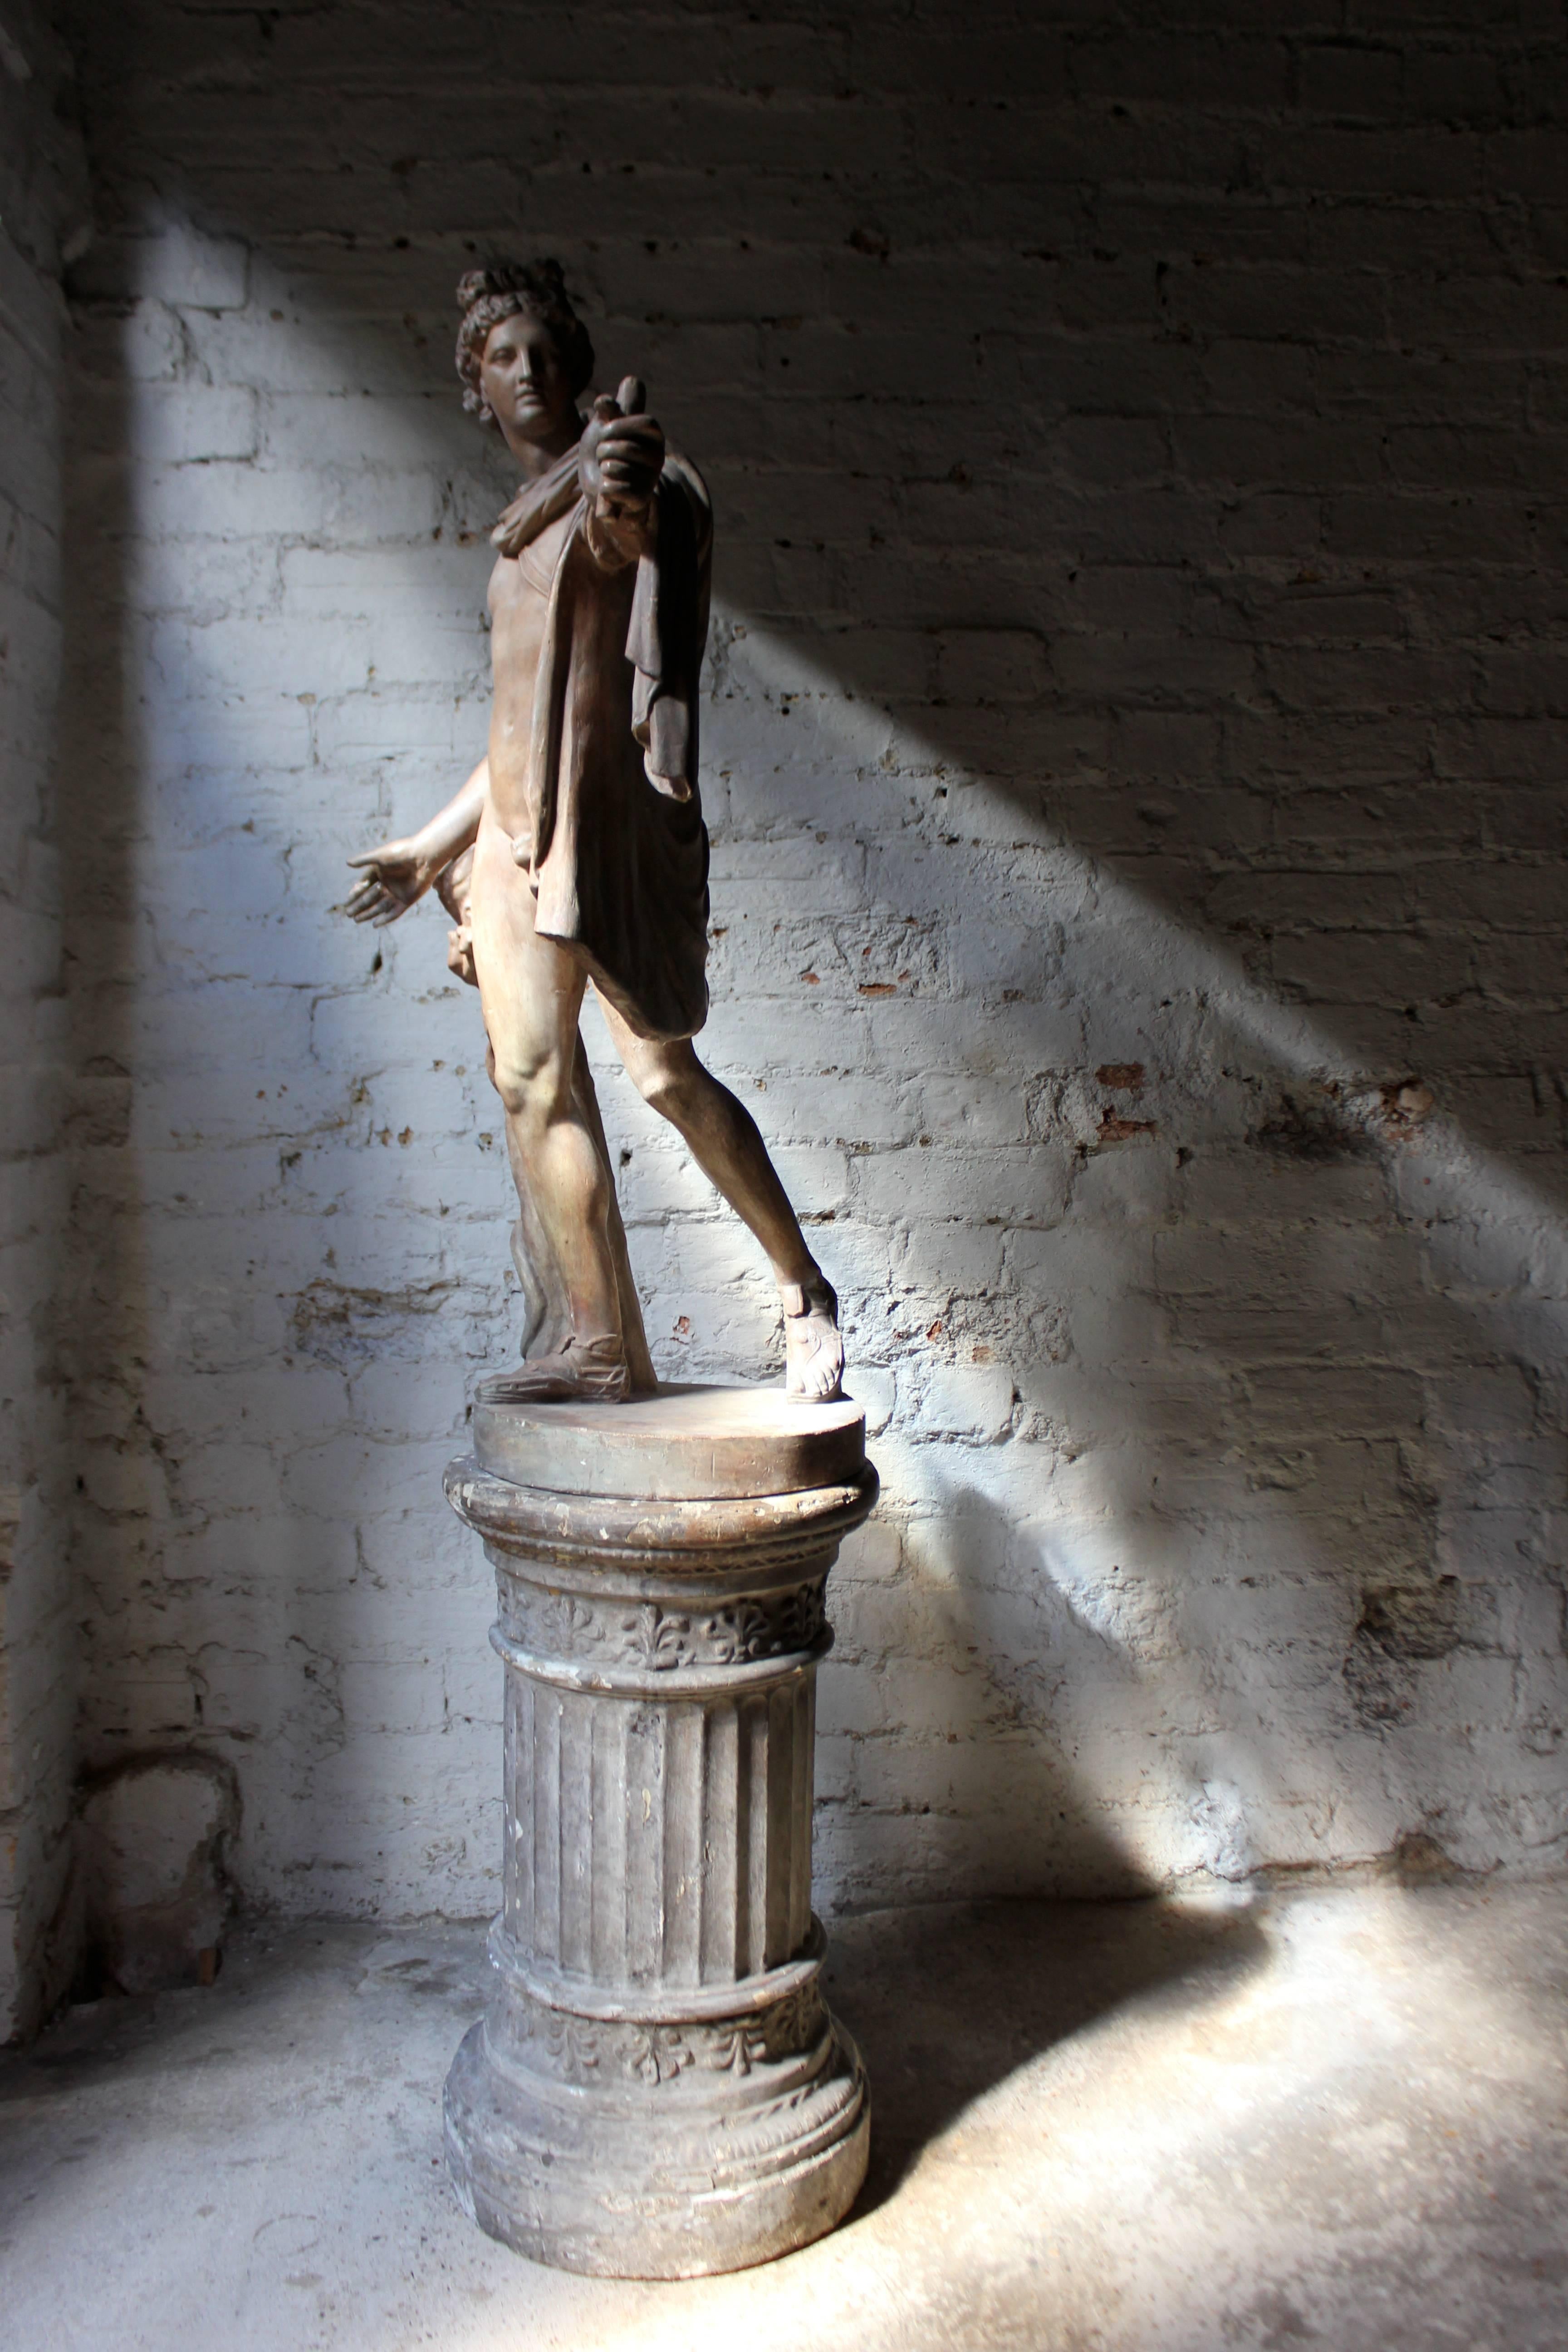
657,2089
631,2145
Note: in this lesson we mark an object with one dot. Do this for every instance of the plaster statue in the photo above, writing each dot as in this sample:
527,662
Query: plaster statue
576,851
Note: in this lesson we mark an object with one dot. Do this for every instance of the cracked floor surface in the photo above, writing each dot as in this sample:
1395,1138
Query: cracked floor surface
1338,2118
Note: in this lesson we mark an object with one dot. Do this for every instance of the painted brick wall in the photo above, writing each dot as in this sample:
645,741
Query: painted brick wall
1133,765
41,200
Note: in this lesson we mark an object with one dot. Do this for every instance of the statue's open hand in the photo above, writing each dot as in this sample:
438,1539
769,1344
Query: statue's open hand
621,453
399,874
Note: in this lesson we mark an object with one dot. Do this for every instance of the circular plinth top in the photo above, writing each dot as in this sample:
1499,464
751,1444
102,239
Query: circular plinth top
685,1443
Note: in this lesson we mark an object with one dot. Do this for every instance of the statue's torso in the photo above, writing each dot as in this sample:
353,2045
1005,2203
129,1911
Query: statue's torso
518,600
589,683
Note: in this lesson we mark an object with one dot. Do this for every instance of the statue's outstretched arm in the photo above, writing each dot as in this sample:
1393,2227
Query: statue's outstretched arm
399,872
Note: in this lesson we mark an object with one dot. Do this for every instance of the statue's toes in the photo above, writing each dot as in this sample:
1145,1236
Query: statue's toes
819,1379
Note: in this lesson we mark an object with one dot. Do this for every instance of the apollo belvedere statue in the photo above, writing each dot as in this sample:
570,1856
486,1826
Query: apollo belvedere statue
576,852
658,2087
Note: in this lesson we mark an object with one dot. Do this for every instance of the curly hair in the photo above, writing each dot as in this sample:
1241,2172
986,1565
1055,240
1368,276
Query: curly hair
487,296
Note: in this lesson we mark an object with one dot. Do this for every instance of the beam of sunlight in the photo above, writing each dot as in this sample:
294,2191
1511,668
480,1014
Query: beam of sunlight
1236,2142
1124,941
1115,1616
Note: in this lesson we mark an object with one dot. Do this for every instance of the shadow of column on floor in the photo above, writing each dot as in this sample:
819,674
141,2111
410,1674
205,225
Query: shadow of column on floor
976,1991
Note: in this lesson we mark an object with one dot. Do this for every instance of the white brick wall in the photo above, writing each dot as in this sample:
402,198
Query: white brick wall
1132,759
40,202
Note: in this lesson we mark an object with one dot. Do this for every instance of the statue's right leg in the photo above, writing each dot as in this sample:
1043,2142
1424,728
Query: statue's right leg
531,990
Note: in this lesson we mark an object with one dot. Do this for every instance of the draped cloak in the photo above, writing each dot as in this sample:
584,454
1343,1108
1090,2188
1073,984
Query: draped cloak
618,853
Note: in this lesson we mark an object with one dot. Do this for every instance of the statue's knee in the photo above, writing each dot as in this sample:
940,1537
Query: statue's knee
657,1090
671,1089
531,1090
510,1084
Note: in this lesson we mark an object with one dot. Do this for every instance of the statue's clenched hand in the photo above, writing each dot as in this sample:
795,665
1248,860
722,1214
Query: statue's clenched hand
621,453
399,873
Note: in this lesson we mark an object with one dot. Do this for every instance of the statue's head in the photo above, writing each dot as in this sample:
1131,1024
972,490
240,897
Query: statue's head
533,294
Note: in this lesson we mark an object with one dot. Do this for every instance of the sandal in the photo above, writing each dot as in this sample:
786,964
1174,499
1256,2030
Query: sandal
813,1349
587,1371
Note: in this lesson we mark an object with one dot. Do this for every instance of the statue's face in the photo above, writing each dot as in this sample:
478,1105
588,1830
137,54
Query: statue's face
525,380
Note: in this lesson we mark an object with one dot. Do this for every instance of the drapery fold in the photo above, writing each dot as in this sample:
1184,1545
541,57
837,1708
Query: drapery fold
619,850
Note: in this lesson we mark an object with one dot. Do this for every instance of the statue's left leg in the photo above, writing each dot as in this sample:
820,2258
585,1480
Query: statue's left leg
724,1142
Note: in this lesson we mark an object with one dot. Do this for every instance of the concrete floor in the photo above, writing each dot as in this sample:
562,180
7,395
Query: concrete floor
1339,2119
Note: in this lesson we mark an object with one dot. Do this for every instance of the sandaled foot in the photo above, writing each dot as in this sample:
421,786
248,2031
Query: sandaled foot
587,1371
814,1352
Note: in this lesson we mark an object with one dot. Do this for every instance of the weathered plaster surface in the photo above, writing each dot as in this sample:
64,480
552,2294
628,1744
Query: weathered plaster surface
1132,759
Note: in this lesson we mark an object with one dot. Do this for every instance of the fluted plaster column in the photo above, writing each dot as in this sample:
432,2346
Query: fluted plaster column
657,2089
